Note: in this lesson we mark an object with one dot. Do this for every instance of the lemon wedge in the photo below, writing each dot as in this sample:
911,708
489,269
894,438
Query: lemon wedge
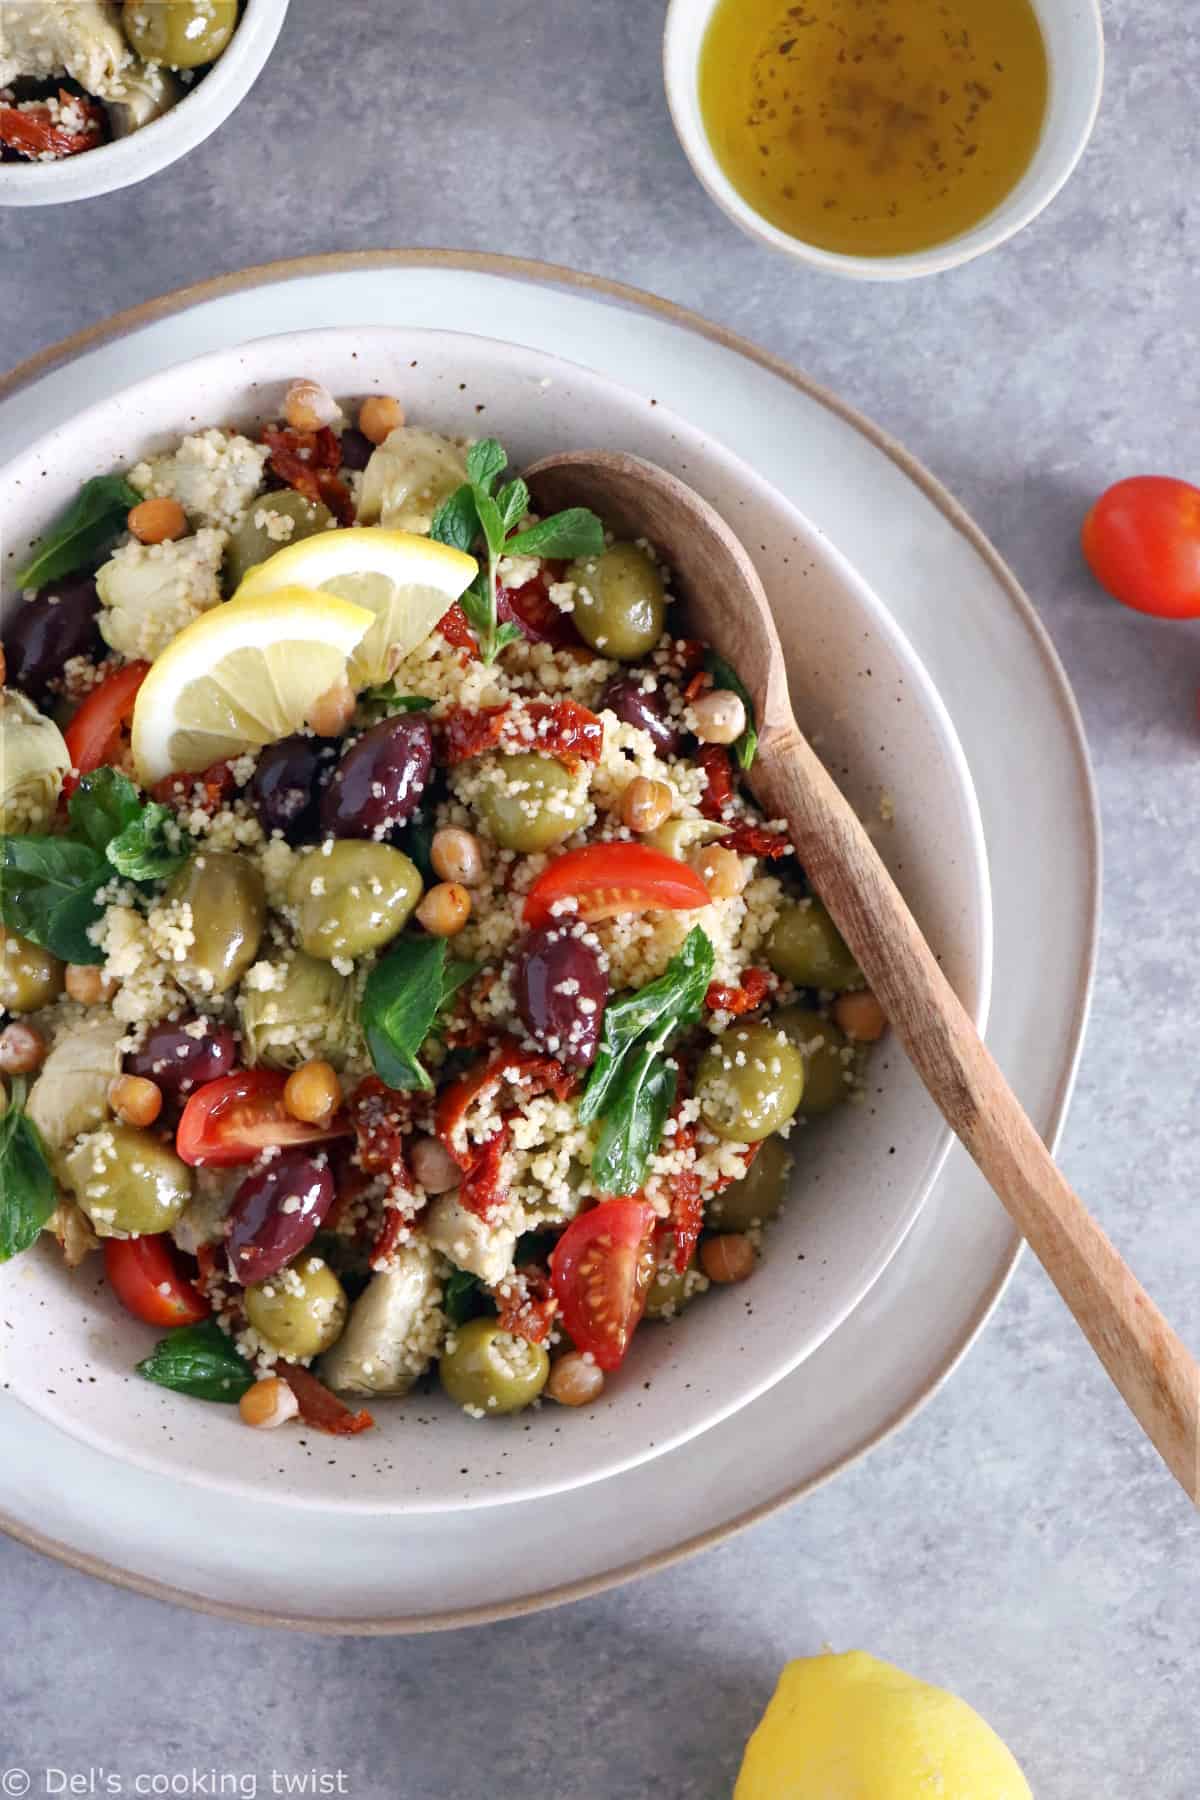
852,1728
408,582
243,675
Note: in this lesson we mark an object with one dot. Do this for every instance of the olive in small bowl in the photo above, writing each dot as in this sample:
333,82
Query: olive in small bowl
620,605
285,789
276,1213
490,1370
378,784
228,905
183,34
749,1083
44,634
829,1064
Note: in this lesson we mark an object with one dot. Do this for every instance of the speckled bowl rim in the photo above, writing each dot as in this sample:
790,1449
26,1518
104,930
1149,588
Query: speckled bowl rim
135,318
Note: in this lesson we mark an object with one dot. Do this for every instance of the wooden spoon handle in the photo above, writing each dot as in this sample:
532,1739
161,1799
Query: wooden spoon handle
1152,1368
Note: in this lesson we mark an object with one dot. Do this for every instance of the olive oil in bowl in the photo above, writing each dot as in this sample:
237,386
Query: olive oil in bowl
873,127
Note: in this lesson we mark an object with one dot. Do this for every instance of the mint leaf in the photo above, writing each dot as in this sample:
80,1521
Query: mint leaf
513,502
461,1292
456,521
726,676
28,1194
201,1361
486,462
399,1005
47,893
81,533
632,1130
152,847
103,804
492,524
671,1002
456,974
576,532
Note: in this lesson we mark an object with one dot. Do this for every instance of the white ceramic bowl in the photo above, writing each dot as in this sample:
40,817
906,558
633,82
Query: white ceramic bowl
1074,35
127,160
861,1177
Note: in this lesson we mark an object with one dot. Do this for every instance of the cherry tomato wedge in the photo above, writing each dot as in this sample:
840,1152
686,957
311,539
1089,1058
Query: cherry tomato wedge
148,1278
600,1270
94,735
1142,543
606,879
233,1119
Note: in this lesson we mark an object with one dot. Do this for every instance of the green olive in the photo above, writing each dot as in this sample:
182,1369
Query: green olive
749,1083
253,541
29,976
184,34
301,1311
487,1368
826,1063
668,1292
229,912
352,896
620,606
758,1196
528,803
805,947
128,1182
679,837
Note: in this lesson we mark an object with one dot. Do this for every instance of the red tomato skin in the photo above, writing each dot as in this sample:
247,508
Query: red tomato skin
93,737
629,1224
611,878
138,1270
1141,541
233,1119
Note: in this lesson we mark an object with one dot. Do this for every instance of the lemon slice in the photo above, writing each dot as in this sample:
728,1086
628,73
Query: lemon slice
245,674
408,582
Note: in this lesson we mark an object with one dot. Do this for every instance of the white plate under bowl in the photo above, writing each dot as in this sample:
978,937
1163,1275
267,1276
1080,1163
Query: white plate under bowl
860,1178
262,1562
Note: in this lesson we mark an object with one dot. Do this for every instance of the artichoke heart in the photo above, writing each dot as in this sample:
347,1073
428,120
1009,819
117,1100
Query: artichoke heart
312,1014
33,761
408,477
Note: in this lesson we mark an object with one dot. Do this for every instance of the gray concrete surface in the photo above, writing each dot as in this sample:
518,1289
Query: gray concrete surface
1017,1542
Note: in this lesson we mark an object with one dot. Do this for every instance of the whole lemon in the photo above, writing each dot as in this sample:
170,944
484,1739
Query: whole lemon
851,1728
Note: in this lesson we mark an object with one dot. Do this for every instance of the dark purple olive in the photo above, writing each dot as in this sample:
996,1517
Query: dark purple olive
356,449
561,991
635,704
285,789
48,631
179,1060
276,1212
378,784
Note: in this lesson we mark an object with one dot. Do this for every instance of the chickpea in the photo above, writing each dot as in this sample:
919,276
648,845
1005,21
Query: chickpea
157,521
22,1049
727,1258
574,1380
88,984
433,1167
313,1093
267,1404
860,1016
308,406
645,805
135,1099
720,716
457,855
378,416
445,909
721,871
332,711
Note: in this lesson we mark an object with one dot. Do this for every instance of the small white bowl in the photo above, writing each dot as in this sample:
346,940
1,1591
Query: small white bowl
165,140
1074,37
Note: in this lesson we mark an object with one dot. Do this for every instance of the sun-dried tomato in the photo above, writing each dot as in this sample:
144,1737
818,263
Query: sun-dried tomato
749,994
700,682
526,1303
481,1190
318,1407
461,1029
309,462
757,840
391,1229
379,1115
688,655
560,728
454,628
216,783
33,132
531,607
714,759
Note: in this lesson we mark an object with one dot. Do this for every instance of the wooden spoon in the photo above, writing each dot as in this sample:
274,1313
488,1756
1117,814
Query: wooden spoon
728,608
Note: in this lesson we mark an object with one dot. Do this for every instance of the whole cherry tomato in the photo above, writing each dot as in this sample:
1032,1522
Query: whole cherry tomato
1142,543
